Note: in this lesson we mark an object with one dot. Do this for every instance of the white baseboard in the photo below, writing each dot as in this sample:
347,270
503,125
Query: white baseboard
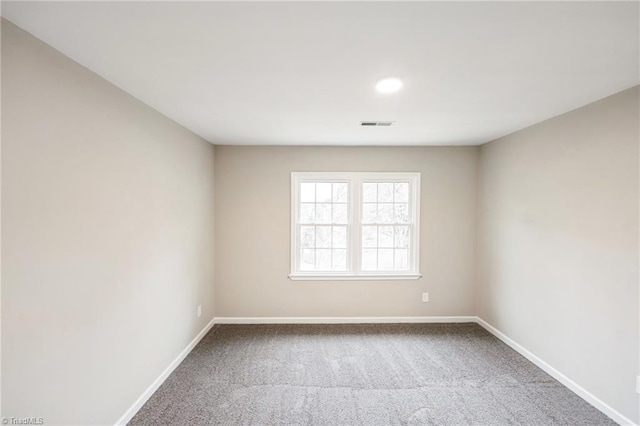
128,415
340,320
579,390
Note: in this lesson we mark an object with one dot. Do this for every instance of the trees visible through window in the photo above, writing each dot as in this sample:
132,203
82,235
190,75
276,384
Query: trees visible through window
355,225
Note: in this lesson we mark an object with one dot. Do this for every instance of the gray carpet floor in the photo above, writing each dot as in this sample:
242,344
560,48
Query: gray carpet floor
369,374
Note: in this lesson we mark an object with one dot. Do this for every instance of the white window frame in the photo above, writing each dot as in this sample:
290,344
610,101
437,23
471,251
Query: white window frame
354,207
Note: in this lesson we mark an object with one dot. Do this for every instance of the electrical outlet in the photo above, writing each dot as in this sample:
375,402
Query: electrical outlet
199,310
425,297
637,384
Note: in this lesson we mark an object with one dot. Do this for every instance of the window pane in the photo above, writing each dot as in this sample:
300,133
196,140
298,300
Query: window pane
339,192
307,237
385,259
339,260
401,212
402,259
402,237
369,192
369,259
323,236
369,213
402,192
323,213
307,260
339,237
369,236
385,236
307,213
308,192
384,228
323,192
385,192
385,213
323,259
339,213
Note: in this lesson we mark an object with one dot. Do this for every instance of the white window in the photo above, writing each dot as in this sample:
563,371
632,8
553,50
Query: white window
355,226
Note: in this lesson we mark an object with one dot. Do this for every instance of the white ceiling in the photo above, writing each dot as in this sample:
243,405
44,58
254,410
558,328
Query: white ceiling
303,73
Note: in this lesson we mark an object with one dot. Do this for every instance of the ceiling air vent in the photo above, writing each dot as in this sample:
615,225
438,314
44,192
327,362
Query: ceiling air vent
376,123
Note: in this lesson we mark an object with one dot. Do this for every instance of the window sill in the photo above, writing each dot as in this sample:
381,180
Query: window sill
379,277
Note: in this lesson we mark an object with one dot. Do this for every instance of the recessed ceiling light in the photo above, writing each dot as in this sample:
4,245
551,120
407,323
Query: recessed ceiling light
389,85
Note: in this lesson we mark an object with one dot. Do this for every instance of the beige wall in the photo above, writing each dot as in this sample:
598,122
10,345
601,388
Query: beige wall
253,233
558,244
107,241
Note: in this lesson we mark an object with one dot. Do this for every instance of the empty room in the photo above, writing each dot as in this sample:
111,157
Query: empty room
320,213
